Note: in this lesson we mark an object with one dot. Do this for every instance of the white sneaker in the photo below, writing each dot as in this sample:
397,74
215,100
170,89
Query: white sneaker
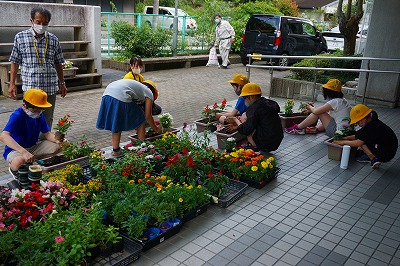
13,173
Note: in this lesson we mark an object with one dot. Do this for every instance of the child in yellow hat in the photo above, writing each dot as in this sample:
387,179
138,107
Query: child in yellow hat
377,141
20,135
331,114
263,126
237,83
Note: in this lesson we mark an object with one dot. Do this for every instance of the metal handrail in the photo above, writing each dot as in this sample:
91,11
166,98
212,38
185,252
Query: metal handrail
367,71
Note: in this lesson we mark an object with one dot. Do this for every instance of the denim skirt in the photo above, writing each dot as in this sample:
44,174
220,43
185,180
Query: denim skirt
118,116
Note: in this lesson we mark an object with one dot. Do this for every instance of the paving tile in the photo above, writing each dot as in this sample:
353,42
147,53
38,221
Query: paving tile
252,253
218,261
320,251
382,256
313,258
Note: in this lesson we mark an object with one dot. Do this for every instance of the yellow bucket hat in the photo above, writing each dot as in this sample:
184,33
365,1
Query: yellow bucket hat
37,97
333,85
358,112
251,89
239,79
151,83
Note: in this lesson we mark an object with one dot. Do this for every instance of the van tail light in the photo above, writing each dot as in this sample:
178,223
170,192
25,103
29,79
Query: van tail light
243,37
277,38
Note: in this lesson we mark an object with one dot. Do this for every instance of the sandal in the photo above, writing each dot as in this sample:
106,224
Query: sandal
311,130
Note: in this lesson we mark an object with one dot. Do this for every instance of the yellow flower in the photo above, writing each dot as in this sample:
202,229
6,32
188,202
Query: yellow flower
264,164
254,168
234,154
159,189
180,199
199,186
190,187
131,181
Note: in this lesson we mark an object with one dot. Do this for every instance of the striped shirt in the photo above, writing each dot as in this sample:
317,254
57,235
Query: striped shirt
37,58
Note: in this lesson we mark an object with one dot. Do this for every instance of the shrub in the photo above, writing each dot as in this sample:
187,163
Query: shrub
322,75
143,41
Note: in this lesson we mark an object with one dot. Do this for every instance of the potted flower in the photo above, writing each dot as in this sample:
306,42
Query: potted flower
166,121
335,150
223,135
230,143
69,69
71,153
208,120
289,118
63,125
248,166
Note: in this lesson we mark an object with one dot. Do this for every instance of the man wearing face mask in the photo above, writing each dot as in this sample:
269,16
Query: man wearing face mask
237,83
224,37
20,135
38,53
263,126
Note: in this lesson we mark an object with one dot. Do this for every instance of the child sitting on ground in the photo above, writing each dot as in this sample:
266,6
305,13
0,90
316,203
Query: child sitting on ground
377,141
331,114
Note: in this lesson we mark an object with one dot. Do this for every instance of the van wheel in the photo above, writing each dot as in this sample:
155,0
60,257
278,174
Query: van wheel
283,61
245,60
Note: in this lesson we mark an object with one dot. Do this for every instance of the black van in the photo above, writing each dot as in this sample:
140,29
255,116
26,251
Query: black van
280,35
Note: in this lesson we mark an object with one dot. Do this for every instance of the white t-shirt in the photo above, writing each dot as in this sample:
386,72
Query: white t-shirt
340,112
128,90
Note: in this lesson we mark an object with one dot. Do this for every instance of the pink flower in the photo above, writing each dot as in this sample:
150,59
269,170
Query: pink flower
59,239
157,157
70,219
153,150
10,227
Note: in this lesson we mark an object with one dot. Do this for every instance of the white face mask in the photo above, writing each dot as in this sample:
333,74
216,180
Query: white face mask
136,70
39,29
32,114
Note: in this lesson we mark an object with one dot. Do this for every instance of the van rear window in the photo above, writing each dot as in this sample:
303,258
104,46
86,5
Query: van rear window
265,24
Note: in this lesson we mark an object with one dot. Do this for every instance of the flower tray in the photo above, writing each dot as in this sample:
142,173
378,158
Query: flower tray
152,137
234,190
146,245
130,252
203,125
222,136
59,161
194,213
296,118
259,184
335,150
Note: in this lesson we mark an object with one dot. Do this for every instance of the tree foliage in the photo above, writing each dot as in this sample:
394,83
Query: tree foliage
348,23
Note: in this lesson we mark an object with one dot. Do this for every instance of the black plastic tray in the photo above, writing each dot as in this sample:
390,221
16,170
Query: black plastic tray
130,253
146,245
194,213
262,183
234,190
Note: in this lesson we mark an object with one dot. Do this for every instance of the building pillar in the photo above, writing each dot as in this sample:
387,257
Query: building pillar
382,42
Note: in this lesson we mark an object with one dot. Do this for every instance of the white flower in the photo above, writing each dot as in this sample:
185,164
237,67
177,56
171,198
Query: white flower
151,146
143,144
231,139
149,157
339,132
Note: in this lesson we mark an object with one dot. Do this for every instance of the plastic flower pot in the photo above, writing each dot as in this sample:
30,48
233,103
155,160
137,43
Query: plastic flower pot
152,233
174,221
165,226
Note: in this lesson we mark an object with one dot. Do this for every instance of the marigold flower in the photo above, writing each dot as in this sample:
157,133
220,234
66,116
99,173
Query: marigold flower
254,168
180,200
131,181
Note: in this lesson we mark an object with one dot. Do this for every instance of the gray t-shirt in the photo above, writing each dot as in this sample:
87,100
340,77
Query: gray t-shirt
128,90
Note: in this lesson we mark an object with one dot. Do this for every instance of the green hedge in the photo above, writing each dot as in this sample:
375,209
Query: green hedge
322,75
143,41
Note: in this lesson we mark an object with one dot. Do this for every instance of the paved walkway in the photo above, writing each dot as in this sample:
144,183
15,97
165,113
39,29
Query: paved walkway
314,213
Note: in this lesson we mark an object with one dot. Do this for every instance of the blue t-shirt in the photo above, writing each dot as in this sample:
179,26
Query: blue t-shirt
24,129
240,106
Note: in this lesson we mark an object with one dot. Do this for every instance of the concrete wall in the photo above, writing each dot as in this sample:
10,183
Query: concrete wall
383,42
18,13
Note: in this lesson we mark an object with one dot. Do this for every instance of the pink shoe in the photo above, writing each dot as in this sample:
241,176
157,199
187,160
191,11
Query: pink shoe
294,130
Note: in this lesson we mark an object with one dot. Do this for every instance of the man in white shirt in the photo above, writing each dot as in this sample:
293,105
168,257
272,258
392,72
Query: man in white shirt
224,37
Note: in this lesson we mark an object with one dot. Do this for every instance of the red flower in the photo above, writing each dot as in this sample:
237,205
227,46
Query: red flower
190,162
210,174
